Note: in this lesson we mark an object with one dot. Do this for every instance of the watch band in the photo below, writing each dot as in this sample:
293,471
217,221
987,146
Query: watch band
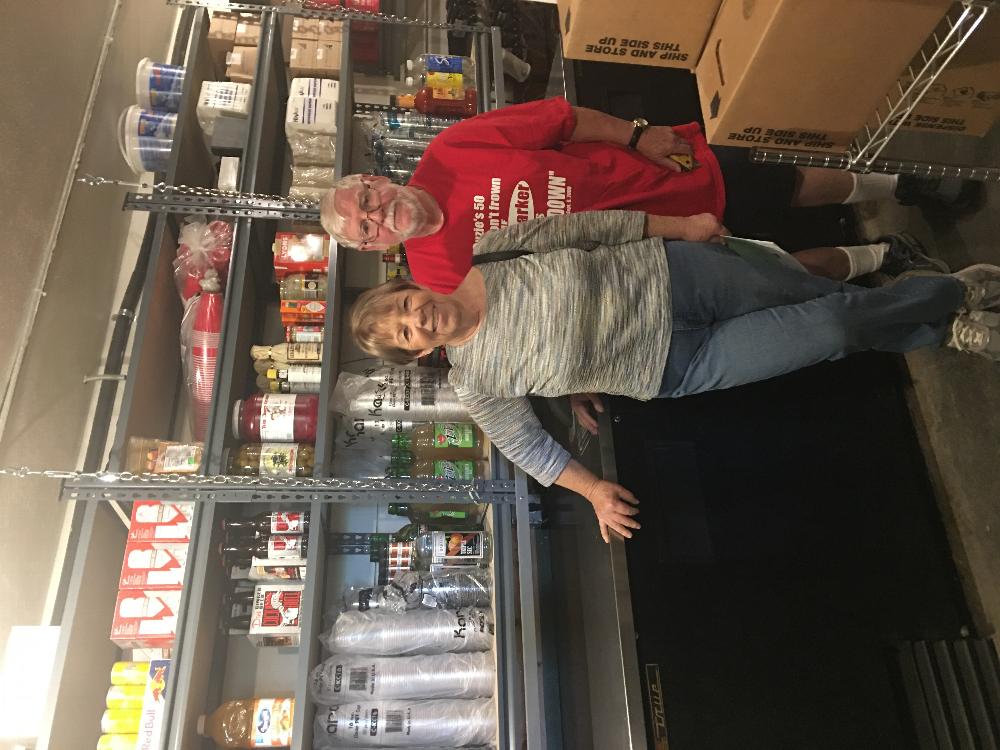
639,126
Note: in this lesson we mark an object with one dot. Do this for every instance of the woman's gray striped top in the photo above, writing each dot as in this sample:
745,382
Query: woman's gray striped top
587,311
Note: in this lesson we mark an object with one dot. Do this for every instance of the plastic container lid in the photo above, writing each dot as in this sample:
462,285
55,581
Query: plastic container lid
142,82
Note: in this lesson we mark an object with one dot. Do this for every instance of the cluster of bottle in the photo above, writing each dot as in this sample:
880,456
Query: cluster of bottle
396,265
442,450
400,137
266,559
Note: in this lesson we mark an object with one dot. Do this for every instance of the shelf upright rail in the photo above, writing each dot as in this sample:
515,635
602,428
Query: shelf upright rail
865,152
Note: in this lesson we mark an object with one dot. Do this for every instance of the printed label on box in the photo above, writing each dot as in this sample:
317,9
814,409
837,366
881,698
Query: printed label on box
153,565
162,522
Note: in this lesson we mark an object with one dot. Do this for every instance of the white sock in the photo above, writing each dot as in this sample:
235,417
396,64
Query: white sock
864,259
873,186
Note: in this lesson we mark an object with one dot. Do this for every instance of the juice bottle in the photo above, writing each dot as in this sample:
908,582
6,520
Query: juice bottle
442,441
425,102
250,723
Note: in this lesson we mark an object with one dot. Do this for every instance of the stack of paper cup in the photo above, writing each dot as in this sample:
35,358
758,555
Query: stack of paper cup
158,85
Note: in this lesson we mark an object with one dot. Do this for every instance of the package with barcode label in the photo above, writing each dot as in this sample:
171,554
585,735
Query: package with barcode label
344,678
433,723
416,394
419,631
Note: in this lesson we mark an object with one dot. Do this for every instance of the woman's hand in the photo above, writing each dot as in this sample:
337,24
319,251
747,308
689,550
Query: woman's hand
581,403
703,228
615,507
658,142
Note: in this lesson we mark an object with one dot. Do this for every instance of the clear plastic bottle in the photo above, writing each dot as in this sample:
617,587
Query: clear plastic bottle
303,286
425,102
250,723
447,441
435,549
423,589
152,456
272,459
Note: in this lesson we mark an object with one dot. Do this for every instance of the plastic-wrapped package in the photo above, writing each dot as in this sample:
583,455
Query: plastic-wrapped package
306,193
443,723
203,248
416,394
341,679
420,631
312,148
423,589
317,177
200,333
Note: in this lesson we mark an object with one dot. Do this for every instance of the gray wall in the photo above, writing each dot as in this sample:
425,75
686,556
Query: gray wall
49,53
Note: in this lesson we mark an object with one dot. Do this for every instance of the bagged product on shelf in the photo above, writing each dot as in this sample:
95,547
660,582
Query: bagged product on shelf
313,177
161,522
416,394
311,127
146,619
204,247
423,589
201,329
438,723
342,679
421,631
153,565
250,723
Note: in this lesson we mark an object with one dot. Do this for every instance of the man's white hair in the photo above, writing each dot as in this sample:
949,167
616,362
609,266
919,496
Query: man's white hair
333,222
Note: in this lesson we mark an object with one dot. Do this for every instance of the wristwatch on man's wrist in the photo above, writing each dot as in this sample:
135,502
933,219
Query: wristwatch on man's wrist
639,126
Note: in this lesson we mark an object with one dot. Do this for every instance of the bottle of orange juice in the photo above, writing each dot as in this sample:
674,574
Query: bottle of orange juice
250,723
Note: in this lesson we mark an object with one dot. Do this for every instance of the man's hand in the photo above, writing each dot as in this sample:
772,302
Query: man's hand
581,403
658,142
615,507
703,228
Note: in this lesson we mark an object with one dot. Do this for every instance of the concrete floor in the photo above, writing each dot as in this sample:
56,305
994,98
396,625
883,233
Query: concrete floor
954,397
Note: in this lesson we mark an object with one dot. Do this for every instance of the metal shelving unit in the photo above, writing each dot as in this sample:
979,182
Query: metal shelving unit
864,154
208,665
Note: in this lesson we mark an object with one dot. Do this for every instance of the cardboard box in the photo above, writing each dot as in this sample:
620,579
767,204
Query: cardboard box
329,31
146,618
247,32
154,705
305,29
277,612
153,565
153,521
636,31
302,58
241,64
318,88
965,97
806,74
328,55
221,38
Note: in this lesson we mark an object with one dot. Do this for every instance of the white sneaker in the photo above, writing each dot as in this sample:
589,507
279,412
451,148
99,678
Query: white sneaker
982,286
976,333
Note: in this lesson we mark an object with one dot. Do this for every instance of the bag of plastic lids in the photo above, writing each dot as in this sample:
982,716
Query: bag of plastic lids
413,394
420,631
411,724
356,678
415,589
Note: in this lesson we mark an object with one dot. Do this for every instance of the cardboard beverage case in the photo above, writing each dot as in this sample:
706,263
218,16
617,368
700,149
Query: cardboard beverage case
277,614
153,565
153,705
668,35
153,521
146,618
965,97
806,74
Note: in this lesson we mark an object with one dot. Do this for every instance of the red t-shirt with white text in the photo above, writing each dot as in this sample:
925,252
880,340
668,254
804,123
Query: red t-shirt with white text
516,163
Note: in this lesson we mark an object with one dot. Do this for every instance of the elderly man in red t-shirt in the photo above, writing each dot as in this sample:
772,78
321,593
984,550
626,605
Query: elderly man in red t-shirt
547,157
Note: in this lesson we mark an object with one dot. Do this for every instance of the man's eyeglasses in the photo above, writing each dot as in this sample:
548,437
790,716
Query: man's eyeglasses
368,201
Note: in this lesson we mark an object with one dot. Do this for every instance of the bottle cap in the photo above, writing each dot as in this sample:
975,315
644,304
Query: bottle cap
406,101
201,726
236,418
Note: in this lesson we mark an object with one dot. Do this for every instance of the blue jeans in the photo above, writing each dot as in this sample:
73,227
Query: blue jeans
737,321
